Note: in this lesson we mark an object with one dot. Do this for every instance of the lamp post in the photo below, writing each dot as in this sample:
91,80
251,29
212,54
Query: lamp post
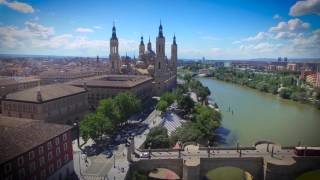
114,161
150,144
76,125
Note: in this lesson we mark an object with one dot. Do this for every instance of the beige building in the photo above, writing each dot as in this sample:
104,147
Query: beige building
56,76
156,65
59,103
107,86
13,84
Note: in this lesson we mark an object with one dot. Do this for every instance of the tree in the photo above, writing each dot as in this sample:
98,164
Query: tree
162,105
127,105
185,103
158,138
207,120
109,109
94,126
168,97
188,132
263,86
285,93
187,77
203,93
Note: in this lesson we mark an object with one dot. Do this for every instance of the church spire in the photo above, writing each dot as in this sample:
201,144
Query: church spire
114,33
141,42
160,30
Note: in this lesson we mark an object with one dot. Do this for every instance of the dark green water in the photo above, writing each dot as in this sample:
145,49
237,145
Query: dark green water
262,116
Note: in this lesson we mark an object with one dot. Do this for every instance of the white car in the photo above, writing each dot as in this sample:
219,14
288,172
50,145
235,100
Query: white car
144,155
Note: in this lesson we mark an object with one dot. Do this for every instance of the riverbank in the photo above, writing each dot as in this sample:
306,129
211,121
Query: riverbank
285,85
262,116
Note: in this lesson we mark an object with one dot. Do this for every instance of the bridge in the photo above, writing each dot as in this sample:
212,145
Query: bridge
261,162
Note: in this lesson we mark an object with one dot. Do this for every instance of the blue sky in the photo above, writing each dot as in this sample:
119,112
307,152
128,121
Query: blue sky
233,29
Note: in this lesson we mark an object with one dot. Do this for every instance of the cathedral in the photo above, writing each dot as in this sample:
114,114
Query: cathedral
149,63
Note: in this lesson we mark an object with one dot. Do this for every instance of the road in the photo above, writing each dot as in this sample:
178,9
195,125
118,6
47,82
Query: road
101,167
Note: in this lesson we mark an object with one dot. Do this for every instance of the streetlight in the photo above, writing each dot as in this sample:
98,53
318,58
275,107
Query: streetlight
76,125
114,161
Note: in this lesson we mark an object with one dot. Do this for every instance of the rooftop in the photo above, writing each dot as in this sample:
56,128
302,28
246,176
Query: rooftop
19,135
48,92
113,81
4,81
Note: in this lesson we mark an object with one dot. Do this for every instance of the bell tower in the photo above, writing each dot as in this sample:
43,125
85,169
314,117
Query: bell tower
141,48
174,54
114,53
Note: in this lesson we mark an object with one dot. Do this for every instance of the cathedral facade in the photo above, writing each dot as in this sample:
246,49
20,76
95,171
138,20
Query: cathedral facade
150,63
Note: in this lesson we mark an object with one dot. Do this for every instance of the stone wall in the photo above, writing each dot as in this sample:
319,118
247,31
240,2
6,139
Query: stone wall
288,172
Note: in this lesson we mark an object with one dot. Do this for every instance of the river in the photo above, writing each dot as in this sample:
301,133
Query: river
262,116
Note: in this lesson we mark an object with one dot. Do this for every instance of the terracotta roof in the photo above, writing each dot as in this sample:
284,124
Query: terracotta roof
19,135
48,92
116,81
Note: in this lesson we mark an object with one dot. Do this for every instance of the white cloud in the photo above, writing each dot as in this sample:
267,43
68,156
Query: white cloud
285,35
259,36
37,38
18,6
293,25
84,30
97,27
277,16
306,7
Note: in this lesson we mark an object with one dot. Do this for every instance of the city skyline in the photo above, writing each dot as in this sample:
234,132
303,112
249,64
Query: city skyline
215,30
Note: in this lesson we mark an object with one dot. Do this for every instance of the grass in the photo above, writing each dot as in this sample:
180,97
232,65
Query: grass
312,175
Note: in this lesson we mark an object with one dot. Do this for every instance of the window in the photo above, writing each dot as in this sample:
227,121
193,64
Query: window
64,137
21,173
42,161
41,150
20,161
31,155
43,174
57,141
51,168
58,163
32,167
49,145
50,156
58,151
65,146
66,158
7,168
34,177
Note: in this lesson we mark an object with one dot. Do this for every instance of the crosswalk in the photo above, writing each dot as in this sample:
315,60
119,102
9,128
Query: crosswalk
171,122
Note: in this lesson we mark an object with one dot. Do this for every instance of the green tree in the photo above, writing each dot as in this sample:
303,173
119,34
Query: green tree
127,105
158,137
162,105
207,120
203,93
108,108
185,103
168,97
94,126
285,93
188,132
262,86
